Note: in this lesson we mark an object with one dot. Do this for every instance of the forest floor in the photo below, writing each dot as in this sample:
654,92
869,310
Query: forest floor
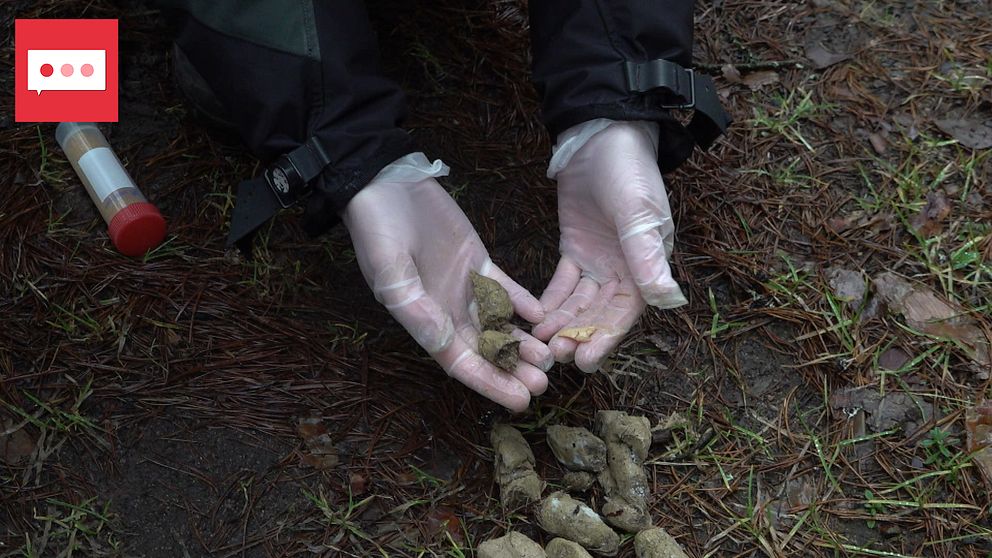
835,246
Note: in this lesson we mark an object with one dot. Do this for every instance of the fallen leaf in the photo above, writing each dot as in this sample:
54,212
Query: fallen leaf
874,222
442,522
847,285
823,58
15,444
321,451
978,425
320,462
841,224
893,359
971,133
926,312
885,412
578,334
310,427
357,483
930,220
842,92
757,80
730,73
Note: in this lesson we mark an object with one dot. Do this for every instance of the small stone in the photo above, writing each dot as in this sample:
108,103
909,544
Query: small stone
564,516
577,448
511,545
499,348
657,543
563,548
514,468
578,481
495,308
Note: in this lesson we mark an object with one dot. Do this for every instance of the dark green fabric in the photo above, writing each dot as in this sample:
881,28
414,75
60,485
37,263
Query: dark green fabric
284,25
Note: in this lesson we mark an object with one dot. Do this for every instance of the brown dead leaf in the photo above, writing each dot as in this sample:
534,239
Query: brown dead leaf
974,133
321,452
357,483
320,462
924,311
310,427
757,80
15,444
842,92
578,334
893,359
730,73
930,220
874,222
442,522
978,425
884,412
823,58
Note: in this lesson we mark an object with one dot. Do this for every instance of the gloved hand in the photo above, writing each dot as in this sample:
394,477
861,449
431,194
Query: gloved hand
616,236
415,248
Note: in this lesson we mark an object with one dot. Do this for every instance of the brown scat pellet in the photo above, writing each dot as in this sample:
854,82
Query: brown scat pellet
624,516
618,426
511,545
500,349
657,543
568,518
577,448
514,467
577,481
563,548
495,308
624,480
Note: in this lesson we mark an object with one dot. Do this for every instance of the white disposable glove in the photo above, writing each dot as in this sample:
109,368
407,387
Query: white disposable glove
616,237
415,248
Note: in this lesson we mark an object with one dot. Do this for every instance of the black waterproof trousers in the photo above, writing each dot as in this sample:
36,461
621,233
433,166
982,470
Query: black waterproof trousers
288,72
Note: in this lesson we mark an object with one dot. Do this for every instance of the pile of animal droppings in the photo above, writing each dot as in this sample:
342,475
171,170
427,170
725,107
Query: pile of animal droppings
613,457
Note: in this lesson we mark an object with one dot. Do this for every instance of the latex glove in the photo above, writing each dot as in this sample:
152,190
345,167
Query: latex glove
616,235
415,248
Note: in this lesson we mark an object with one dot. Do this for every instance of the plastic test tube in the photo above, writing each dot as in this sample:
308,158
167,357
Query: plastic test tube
135,226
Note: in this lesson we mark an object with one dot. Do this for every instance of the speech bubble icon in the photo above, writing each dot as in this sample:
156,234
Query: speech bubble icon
67,70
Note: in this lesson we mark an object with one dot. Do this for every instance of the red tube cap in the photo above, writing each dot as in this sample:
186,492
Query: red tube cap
137,228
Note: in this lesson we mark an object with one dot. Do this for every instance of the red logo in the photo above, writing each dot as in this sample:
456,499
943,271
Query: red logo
65,70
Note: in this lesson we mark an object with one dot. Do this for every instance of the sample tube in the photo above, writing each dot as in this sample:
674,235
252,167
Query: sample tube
135,226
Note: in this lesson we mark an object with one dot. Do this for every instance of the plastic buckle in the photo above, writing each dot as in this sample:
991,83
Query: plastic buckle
285,181
692,92
652,75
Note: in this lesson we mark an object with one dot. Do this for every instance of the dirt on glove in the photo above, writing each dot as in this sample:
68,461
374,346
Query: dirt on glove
511,545
500,349
564,516
514,468
657,543
624,480
495,308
